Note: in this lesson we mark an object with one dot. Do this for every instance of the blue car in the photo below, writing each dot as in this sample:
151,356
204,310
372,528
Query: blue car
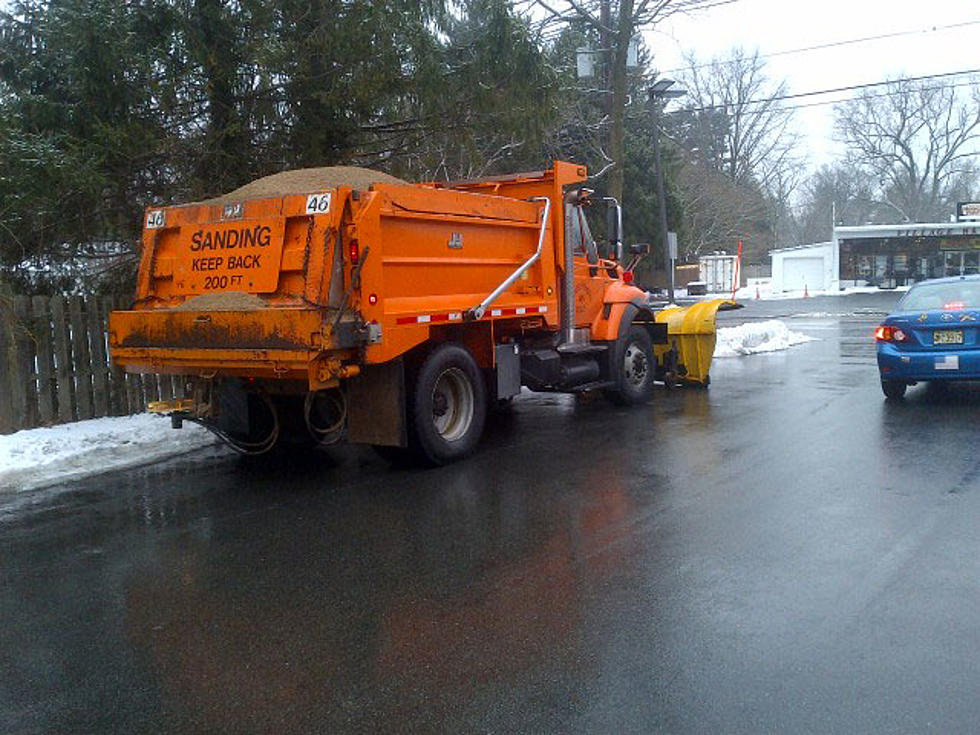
933,335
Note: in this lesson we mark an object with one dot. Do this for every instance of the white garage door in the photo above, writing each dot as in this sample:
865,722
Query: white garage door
800,273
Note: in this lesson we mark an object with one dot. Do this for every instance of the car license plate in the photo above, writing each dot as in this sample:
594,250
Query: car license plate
947,337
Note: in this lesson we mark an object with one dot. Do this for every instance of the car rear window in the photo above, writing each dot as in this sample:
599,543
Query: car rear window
956,295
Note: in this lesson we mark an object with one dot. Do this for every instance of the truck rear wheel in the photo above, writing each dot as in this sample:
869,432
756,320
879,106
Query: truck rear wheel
633,368
448,407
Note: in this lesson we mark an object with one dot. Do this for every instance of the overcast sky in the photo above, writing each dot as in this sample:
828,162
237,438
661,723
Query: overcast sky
774,26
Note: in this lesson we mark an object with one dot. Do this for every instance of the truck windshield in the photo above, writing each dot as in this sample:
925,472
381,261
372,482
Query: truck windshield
577,233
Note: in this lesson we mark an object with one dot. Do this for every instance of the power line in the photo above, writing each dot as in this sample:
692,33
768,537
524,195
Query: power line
865,39
790,108
836,44
695,5
848,88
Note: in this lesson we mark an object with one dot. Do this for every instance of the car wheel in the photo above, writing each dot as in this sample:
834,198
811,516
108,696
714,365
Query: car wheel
893,389
633,368
448,407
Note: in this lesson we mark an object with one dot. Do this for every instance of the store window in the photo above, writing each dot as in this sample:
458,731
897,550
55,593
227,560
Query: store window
953,263
971,261
881,266
923,269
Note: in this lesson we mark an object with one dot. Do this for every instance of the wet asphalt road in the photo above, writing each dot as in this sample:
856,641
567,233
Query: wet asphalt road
784,552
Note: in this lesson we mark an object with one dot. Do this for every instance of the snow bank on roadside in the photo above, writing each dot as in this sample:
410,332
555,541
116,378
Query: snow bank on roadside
754,337
763,292
37,457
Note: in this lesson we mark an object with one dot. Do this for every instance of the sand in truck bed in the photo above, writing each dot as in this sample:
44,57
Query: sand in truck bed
306,181
226,301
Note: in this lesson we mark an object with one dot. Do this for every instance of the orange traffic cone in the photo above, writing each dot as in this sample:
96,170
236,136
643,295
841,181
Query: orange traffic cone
806,292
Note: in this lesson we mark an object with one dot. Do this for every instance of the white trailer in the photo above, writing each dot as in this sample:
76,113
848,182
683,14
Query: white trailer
718,272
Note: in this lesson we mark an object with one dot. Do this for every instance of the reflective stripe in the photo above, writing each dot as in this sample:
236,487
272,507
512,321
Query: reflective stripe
456,316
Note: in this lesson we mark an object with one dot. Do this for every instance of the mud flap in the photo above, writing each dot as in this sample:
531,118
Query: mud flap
690,344
376,406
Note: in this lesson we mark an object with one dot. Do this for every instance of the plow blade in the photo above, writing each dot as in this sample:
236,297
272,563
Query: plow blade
686,358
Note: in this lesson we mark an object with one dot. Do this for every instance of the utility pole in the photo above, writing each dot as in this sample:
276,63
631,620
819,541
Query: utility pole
605,53
661,91
662,201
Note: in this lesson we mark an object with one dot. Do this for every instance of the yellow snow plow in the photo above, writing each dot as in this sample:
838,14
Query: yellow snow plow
691,331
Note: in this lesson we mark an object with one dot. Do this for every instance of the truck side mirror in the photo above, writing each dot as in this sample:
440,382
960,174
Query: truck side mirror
614,227
639,248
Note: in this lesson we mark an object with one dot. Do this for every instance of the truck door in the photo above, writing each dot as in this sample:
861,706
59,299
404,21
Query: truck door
591,276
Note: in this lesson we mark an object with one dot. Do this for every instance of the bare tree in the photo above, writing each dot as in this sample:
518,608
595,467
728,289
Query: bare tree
740,152
782,219
836,195
616,22
920,141
738,124
718,212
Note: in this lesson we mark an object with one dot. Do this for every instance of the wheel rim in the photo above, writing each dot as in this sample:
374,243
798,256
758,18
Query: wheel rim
636,367
453,404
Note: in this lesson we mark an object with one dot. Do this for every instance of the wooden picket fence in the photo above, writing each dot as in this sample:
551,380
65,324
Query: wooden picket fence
55,366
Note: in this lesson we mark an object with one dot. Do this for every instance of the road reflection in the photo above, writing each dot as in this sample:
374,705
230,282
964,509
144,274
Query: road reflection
360,610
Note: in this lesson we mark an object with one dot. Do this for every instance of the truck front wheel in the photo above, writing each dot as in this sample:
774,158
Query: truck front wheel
633,368
448,408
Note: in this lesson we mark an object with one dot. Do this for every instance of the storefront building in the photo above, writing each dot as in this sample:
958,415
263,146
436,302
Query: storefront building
897,255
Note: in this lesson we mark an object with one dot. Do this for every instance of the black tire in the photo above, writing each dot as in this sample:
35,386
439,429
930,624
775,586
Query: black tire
633,368
448,406
893,389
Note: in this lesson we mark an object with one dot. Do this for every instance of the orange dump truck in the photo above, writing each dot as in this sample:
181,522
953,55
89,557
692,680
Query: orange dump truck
342,304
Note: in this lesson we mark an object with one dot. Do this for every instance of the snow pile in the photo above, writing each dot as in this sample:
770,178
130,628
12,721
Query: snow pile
755,337
37,457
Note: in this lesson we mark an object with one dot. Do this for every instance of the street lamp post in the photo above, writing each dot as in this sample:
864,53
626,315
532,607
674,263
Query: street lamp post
661,91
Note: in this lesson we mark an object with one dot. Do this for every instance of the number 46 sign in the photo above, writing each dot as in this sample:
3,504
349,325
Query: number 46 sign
318,203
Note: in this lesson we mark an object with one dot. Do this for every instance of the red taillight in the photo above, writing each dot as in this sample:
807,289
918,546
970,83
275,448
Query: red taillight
953,305
373,299
885,333
627,276
354,252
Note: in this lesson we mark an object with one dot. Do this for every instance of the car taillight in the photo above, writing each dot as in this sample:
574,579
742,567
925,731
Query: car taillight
354,252
885,333
954,305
